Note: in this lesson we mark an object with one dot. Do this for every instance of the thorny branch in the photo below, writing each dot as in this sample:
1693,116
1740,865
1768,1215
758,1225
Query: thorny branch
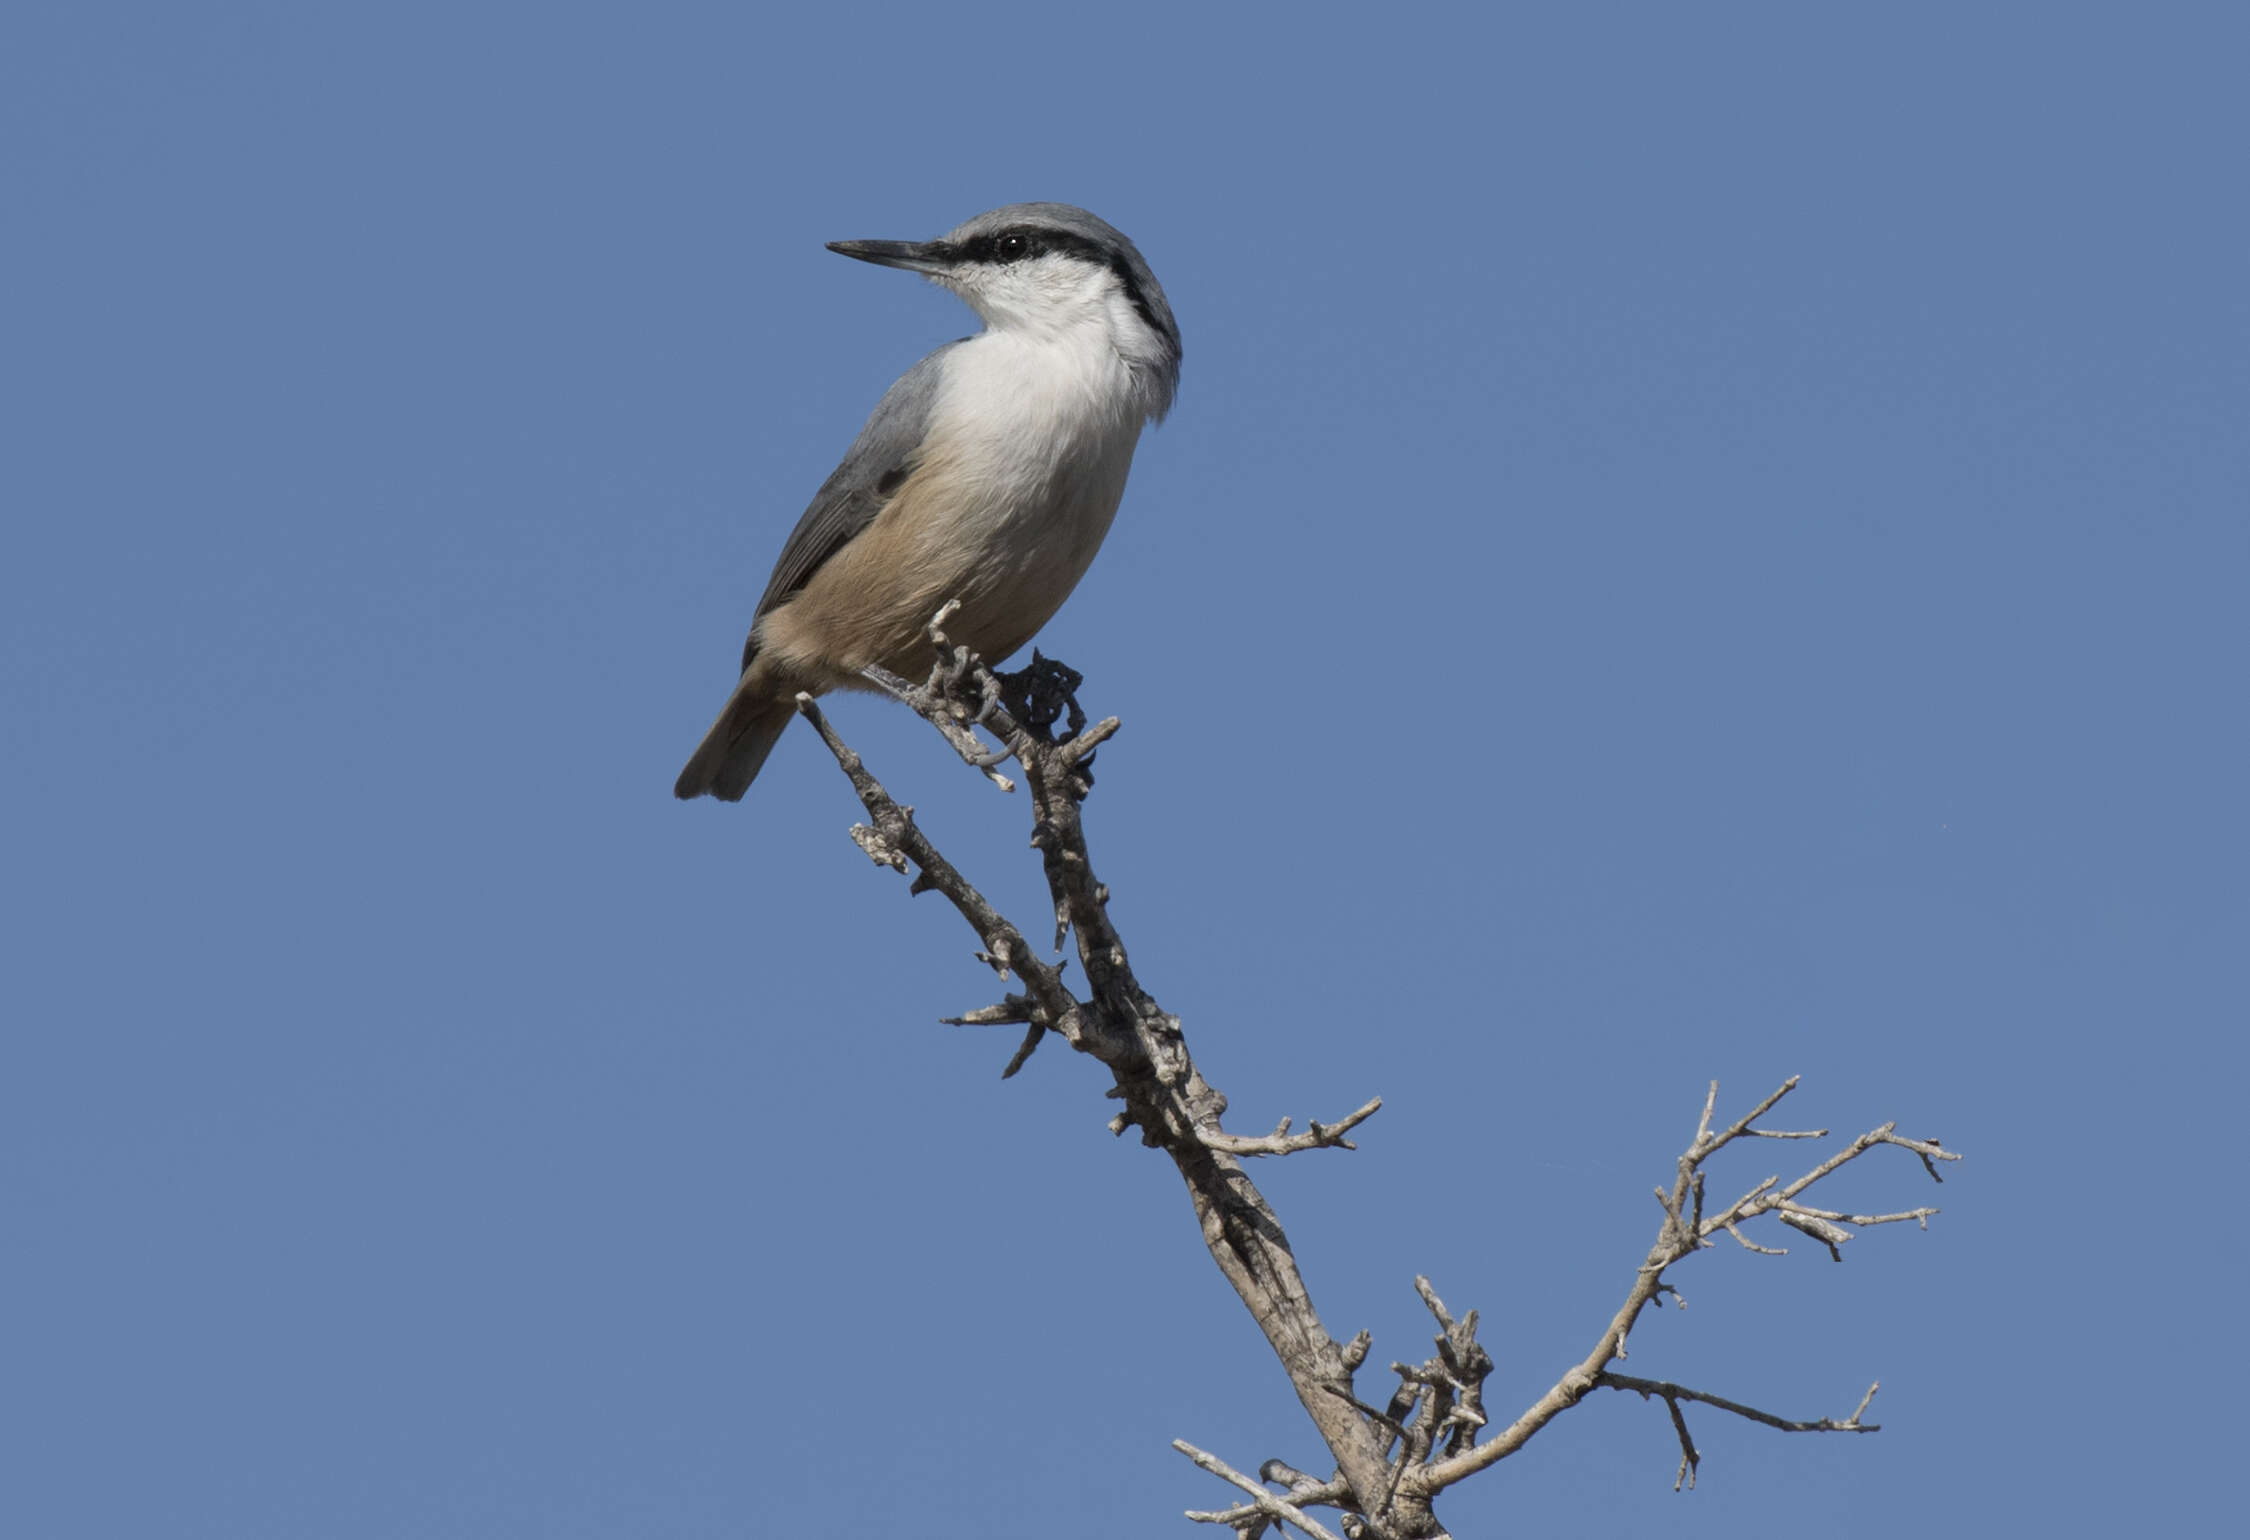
1390,1461
1116,1021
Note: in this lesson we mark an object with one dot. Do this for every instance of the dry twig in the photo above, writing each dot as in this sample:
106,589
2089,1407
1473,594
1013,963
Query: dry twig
1261,1499
1686,1230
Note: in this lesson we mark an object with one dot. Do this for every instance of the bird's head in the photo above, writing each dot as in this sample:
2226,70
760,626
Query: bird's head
1049,269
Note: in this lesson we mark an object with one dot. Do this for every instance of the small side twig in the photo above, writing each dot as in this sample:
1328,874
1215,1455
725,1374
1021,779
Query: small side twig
1264,1501
1690,1459
1317,1135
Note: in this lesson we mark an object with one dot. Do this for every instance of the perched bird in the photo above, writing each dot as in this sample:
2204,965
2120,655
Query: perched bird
989,473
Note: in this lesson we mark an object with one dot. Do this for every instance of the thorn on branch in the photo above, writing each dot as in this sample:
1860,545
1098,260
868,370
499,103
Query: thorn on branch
1690,1460
1022,1055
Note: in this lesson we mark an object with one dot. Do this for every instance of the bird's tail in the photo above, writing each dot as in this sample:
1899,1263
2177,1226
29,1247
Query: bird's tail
728,759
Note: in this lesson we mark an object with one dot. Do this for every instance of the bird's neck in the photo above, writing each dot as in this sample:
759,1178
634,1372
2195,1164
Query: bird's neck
1093,333
1071,366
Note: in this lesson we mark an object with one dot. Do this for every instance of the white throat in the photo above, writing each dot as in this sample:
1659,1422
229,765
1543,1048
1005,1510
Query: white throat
1082,314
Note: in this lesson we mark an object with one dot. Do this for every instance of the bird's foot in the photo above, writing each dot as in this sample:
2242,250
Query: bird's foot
940,703
956,667
1042,693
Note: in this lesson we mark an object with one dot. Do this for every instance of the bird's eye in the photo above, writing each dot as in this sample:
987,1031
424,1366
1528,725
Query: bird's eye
1013,246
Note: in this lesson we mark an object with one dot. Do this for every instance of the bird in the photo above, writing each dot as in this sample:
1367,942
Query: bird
988,473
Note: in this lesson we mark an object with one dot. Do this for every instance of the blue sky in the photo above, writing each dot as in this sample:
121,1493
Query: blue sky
1690,546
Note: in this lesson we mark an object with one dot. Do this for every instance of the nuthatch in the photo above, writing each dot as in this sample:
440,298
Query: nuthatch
989,473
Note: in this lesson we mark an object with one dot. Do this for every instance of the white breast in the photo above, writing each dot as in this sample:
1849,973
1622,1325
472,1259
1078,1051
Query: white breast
1031,439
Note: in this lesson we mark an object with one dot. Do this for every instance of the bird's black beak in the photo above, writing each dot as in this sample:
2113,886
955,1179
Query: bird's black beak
931,257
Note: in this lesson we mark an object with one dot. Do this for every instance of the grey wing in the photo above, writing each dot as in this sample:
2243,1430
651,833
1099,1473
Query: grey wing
882,457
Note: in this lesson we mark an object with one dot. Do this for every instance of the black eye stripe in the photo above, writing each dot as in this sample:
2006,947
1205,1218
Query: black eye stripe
1025,242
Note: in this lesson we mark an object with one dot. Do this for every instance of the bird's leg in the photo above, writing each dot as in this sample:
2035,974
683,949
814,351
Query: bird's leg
954,664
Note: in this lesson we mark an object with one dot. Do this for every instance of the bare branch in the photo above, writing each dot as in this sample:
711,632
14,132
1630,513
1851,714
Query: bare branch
1690,1459
1013,1011
1317,1136
1829,1235
946,718
1118,1023
1705,1146
1825,1226
1740,1208
1263,1500
1091,739
1022,1055
1300,1488
1751,1245
1677,1238
1303,1491
1435,1305
1672,1392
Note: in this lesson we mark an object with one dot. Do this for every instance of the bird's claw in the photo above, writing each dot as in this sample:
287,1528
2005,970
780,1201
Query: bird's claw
1042,692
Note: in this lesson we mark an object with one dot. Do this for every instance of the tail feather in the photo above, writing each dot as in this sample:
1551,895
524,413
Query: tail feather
732,752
